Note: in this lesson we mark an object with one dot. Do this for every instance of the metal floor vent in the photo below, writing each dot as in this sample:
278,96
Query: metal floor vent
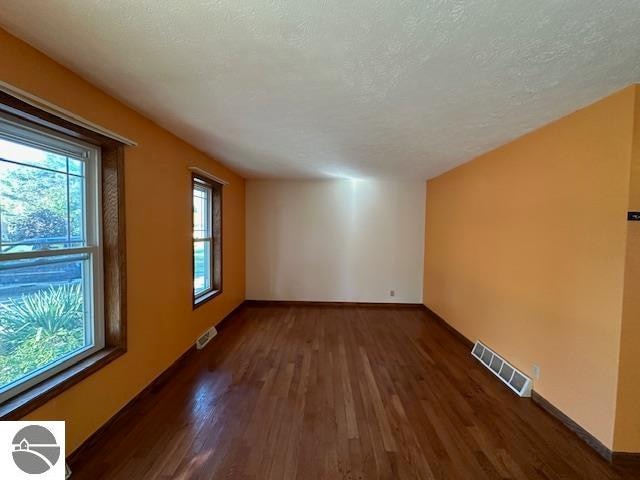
206,338
510,376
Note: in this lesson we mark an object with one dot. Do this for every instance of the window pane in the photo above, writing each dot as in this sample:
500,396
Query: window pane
201,266
16,152
201,212
76,211
44,314
39,209
76,167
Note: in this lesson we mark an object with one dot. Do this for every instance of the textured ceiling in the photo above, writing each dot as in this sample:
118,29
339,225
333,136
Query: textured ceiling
358,88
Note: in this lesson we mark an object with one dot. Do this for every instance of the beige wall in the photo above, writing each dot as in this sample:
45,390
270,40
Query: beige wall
525,250
335,240
161,322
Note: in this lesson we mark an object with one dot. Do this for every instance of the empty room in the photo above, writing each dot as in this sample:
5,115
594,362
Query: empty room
319,240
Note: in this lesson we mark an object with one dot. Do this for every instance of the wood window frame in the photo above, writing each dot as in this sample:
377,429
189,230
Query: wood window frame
114,258
215,218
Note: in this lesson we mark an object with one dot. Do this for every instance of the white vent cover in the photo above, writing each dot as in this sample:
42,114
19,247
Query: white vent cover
510,376
206,338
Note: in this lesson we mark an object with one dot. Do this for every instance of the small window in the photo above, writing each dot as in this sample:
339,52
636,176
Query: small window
207,239
51,274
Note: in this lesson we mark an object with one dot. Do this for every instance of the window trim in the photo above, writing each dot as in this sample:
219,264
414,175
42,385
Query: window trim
113,256
215,226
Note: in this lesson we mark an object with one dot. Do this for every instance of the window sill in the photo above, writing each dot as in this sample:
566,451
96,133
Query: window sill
27,401
205,298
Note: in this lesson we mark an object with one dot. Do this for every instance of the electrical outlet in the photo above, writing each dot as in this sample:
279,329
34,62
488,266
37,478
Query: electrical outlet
392,293
536,371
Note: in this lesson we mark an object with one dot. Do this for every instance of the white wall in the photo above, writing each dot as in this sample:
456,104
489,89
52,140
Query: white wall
335,240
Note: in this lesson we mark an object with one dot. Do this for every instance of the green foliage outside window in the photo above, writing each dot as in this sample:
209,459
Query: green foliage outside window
39,328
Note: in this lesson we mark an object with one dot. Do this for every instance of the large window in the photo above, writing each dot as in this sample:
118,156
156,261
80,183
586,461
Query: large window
62,262
207,239
50,255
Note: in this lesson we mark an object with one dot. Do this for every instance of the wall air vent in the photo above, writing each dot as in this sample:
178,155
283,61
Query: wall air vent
510,376
206,338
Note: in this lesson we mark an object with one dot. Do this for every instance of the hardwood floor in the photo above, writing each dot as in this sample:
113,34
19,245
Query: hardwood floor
315,392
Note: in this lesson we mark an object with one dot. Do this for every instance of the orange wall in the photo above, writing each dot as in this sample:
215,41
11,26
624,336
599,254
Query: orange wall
161,323
627,431
525,250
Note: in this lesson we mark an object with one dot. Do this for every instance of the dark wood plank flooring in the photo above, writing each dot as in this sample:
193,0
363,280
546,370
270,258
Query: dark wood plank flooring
315,392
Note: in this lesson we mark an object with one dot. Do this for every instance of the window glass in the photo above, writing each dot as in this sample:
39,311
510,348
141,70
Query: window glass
44,315
41,208
200,212
202,267
201,239
16,152
50,275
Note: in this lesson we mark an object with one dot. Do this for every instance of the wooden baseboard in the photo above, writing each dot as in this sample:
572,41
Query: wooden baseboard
617,458
585,436
302,303
621,459
446,325
116,420
626,459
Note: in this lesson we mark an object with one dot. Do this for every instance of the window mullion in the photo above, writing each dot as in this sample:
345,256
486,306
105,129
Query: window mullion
68,206
47,253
